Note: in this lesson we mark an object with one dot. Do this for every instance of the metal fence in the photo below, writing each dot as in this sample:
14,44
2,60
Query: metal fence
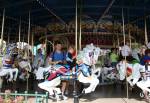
38,98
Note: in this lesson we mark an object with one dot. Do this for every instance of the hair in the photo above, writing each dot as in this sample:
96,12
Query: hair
72,46
112,49
57,42
147,51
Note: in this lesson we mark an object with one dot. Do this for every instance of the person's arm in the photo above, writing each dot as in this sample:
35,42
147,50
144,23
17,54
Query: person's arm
53,62
142,61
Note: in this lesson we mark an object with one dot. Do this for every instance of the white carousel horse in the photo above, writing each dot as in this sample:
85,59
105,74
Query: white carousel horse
25,65
6,68
131,71
9,71
88,57
145,83
50,86
40,72
108,73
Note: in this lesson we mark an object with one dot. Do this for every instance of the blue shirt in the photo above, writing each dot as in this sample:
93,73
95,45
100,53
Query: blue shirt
58,56
145,58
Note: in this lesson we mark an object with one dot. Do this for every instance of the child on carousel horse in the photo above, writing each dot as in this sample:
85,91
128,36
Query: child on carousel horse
145,83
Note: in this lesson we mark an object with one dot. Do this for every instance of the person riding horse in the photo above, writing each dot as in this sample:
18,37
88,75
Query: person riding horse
145,83
85,60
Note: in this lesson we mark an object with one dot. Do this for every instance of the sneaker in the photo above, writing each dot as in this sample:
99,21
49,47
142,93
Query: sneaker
66,92
64,97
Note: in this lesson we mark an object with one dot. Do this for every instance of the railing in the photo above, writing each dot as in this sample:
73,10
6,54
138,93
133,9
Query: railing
39,98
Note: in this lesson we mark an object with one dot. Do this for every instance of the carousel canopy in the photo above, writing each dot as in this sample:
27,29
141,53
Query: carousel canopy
43,12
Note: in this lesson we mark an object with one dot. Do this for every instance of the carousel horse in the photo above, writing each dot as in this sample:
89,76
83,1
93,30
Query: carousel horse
7,64
40,72
85,60
108,73
24,64
144,85
132,72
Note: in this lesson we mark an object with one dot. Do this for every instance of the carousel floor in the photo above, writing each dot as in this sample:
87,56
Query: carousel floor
104,94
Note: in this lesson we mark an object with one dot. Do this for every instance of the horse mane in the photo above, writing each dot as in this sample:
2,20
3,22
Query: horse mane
89,51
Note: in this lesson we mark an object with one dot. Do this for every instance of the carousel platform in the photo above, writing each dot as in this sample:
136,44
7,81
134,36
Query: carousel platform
106,94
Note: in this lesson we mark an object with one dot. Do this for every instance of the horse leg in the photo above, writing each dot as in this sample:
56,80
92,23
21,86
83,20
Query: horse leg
7,71
15,70
57,90
3,72
144,85
129,80
135,80
93,84
45,86
92,80
50,85
39,73
11,74
1,83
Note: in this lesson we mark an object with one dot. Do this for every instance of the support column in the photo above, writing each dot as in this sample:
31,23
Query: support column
146,37
76,98
124,40
19,34
27,88
80,26
2,30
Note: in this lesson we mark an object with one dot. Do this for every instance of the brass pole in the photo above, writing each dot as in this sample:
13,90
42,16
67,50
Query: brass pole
19,35
146,37
28,47
124,40
76,26
2,30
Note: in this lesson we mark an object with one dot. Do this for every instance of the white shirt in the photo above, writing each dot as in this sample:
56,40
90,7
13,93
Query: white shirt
125,50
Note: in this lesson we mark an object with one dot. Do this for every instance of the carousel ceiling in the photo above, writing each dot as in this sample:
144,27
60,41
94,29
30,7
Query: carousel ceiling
43,12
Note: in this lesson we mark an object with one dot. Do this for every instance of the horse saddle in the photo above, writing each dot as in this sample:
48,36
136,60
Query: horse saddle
46,74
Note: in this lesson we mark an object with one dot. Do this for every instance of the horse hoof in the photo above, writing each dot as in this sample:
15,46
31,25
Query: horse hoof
82,93
9,80
52,97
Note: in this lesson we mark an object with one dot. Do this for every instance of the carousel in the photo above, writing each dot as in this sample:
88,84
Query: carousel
89,32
